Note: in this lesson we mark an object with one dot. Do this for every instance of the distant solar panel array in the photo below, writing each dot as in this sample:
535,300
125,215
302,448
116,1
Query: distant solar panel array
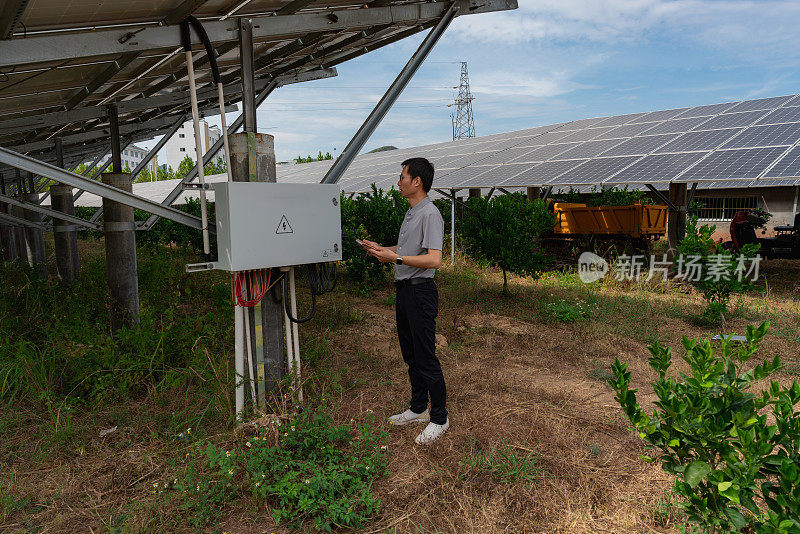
736,144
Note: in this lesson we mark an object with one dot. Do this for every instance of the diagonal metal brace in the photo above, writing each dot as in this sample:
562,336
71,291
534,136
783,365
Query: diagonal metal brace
27,163
661,197
50,212
372,121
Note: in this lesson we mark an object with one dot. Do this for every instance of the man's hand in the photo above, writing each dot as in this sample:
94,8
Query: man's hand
382,254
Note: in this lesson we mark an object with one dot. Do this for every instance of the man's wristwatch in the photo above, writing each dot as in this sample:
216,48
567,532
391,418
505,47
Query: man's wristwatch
399,260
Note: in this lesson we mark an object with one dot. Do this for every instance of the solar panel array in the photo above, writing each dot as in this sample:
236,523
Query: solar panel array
735,144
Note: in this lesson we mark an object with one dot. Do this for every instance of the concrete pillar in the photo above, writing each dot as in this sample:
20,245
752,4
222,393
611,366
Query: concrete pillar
534,193
8,249
121,268
475,192
265,319
65,237
676,221
34,237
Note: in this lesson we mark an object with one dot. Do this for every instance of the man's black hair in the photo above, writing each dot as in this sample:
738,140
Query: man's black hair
422,168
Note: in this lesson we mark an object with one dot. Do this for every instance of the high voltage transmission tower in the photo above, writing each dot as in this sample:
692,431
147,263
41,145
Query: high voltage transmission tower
463,122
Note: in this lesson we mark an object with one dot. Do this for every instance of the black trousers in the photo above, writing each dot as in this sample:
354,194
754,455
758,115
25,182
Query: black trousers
416,308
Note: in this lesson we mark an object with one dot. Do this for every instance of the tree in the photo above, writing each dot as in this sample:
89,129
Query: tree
187,164
505,232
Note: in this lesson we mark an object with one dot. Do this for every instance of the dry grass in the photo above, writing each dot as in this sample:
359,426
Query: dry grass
514,378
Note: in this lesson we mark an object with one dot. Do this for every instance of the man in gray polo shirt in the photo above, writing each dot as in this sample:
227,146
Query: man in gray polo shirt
417,255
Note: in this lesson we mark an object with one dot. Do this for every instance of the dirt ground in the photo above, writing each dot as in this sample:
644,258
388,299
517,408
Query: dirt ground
536,386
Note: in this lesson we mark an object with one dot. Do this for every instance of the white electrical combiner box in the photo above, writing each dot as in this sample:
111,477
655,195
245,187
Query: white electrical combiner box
263,224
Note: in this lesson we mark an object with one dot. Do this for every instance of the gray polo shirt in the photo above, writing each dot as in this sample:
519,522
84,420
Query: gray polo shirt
422,229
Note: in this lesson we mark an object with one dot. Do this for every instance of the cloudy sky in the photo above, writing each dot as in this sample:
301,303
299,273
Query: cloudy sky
547,62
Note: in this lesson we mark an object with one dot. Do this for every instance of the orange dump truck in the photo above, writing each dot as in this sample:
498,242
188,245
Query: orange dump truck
637,221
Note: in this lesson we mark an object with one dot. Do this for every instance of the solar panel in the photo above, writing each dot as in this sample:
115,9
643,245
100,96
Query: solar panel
589,149
733,164
459,177
788,114
732,120
789,165
705,140
542,173
676,126
660,115
583,123
497,174
506,156
544,153
762,103
547,138
776,182
584,135
639,145
775,134
657,167
627,130
706,111
593,171
619,119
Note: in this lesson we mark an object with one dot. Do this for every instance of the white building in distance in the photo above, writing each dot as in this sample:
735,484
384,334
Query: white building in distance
133,156
182,143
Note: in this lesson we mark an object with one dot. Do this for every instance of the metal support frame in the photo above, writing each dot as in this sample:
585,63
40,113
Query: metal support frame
116,148
503,190
395,89
150,155
547,193
18,221
49,212
27,163
105,42
159,102
207,157
490,193
662,198
691,194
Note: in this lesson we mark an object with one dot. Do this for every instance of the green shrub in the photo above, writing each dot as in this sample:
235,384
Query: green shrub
612,196
505,232
318,472
720,273
716,436
377,216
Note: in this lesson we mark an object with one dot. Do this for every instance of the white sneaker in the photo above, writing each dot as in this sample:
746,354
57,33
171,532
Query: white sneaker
432,432
408,417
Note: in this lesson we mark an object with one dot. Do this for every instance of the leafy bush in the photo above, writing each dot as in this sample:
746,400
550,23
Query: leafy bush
164,232
612,196
376,216
505,232
715,437
712,269
316,472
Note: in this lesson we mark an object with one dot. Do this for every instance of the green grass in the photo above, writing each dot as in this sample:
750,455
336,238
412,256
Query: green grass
503,463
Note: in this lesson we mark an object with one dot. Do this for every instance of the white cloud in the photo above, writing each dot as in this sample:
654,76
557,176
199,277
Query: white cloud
747,28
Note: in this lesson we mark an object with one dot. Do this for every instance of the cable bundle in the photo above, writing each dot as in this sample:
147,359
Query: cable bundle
255,283
321,279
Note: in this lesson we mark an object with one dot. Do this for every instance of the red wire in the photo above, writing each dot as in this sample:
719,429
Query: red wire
256,283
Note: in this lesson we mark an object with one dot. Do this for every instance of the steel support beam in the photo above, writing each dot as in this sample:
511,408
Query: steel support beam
49,212
150,155
138,105
60,47
19,221
109,72
10,15
27,163
374,119
207,157
248,79
662,198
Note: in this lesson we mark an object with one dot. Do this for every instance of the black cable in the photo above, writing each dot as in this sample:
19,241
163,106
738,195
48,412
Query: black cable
321,279
210,52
